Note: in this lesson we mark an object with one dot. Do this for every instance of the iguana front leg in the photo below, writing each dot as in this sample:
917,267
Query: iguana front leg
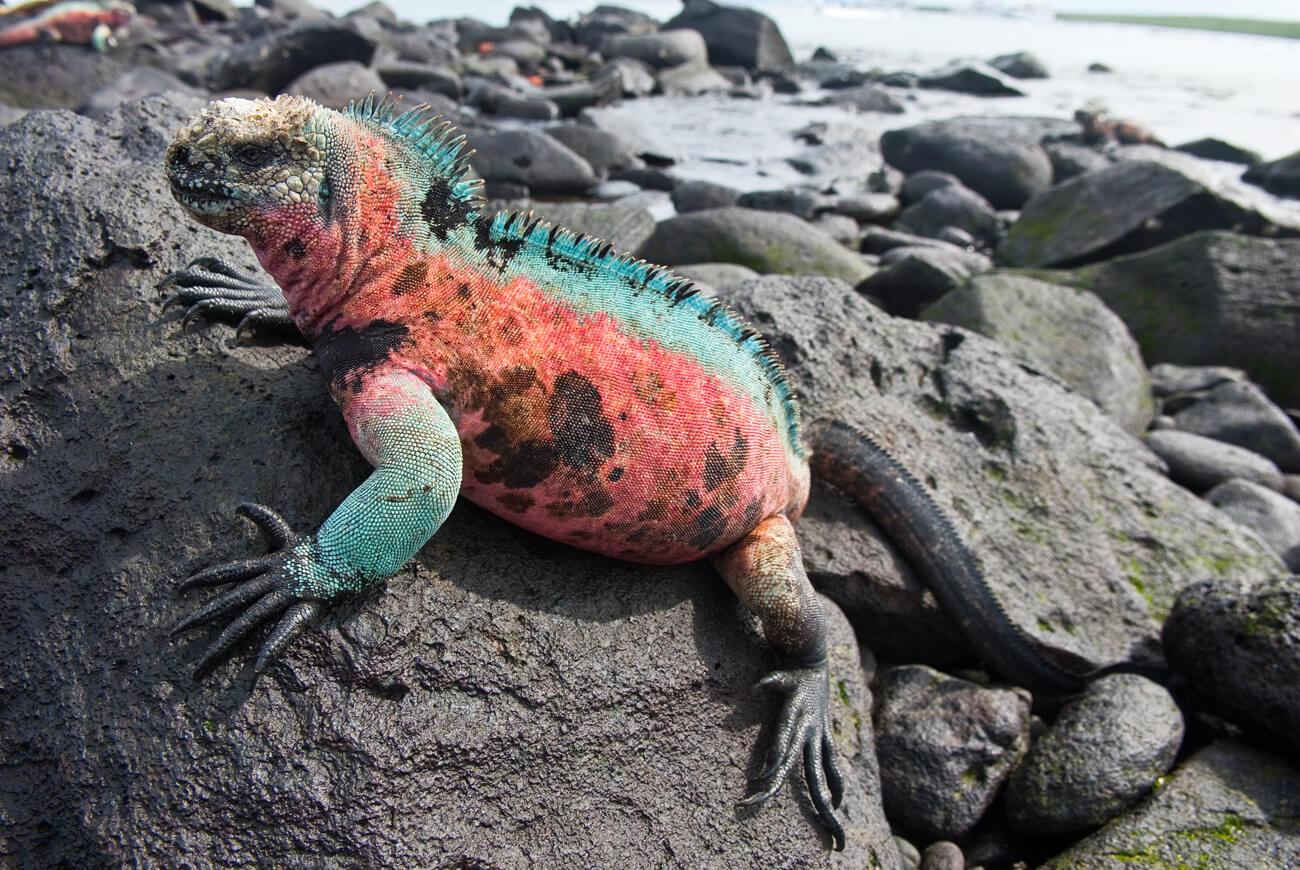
765,570
212,286
400,427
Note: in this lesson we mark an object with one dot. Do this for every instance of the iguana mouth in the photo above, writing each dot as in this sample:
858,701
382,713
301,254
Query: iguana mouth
201,195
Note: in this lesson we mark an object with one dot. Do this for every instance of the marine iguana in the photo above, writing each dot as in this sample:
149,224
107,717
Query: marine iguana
582,394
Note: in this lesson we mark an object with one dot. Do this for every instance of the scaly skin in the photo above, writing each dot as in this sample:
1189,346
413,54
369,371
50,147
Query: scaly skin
588,397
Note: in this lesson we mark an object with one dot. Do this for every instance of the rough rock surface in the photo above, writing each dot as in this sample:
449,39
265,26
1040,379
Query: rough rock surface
1281,177
1214,298
1271,515
951,206
1000,164
1229,805
1070,159
603,150
270,62
1237,649
1069,333
503,701
919,184
913,277
943,855
1129,207
1086,540
762,240
1200,463
1216,149
337,84
945,746
868,208
1103,753
971,77
1020,65
1237,412
532,158
736,36
659,50
716,275
702,195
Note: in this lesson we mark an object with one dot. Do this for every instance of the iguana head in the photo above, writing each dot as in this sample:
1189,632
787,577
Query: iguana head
247,166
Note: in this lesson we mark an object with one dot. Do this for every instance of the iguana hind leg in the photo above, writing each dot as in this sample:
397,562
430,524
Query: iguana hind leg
765,570
211,286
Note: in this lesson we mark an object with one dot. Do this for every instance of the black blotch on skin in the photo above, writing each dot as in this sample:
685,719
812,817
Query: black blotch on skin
517,502
615,475
442,213
753,513
412,278
344,352
718,469
499,251
594,503
295,248
693,499
709,526
583,435
521,466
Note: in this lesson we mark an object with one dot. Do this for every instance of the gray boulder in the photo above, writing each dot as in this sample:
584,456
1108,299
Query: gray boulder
1128,208
1229,805
868,98
765,241
614,81
1104,752
1069,333
878,240
1291,486
1236,648
945,747
914,277
667,48
1200,463
841,228
918,185
505,102
605,151
715,276
736,36
142,81
1281,177
1269,514
532,158
48,75
951,206
1057,501
943,855
691,79
337,84
593,28
406,74
695,195
1217,149
800,202
1020,65
1210,299
868,208
1070,159
971,77
992,157
523,701
1238,412
270,62
634,77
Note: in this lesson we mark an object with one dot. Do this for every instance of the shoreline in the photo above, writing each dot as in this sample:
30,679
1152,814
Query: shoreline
1213,24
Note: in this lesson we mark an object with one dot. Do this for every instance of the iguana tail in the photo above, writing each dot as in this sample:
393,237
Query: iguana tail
854,463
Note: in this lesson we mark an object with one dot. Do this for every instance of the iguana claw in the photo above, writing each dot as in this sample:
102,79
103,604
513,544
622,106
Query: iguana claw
804,729
267,587
211,286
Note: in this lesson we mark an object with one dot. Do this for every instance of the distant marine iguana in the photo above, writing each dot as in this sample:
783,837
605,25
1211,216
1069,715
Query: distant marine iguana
584,395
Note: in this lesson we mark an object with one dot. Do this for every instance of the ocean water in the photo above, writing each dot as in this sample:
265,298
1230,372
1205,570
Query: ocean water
1180,84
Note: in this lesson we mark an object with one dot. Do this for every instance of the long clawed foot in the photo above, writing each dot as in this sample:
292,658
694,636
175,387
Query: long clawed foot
803,729
210,287
265,588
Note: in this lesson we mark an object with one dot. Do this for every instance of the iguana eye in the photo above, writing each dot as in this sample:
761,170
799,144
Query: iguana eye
254,156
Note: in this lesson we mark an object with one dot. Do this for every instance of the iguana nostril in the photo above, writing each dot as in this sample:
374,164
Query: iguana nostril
181,156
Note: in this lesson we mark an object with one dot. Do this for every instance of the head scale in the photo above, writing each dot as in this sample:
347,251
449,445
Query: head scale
243,166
